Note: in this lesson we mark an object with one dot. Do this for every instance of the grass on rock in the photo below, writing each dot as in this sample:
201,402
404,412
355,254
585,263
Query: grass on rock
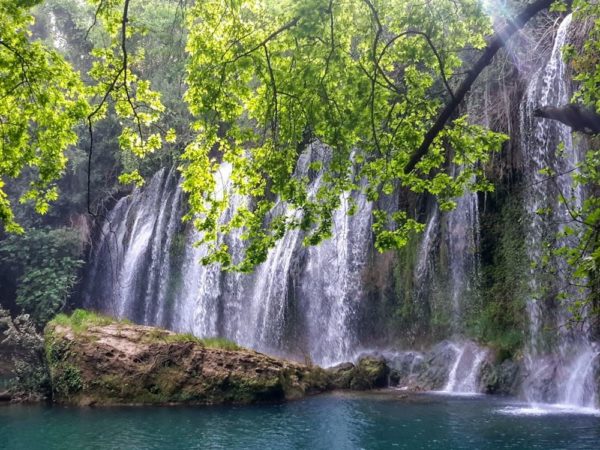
81,320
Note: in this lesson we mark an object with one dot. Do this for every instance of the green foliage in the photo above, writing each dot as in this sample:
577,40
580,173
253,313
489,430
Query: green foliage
220,343
65,377
579,241
30,379
81,320
362,77
41,101
415,311
211,342
587,61
67,381
264,78
45,264
500,319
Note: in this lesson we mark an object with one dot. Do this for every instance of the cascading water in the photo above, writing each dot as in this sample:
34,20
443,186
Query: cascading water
424,263
463,243
128,271
301,301
335,268
460,235
561,369
462,240
464,373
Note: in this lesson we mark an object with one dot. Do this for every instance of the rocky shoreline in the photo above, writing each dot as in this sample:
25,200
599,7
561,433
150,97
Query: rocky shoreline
121,363
96,360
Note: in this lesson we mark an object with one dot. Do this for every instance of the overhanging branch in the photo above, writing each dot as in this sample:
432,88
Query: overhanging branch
495,43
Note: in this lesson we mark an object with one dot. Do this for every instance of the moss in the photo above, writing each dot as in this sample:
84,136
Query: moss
251,390
500,318
155,335
158,335
409,313
370,373
108,386
65,377
178,245
67,381
167,383
81,320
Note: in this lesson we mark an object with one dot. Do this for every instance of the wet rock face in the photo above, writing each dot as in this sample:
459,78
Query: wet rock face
122,364
597,379
404,369
436,367
340,376
416,371
370,372
503,379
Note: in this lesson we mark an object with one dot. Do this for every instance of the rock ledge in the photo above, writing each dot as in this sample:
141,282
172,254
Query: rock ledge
120,363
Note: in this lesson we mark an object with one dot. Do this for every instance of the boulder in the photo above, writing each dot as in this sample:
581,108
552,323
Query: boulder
502,379
371,372
120,363
405,367
340,376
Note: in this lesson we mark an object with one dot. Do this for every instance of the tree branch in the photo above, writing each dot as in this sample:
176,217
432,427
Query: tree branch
578,117
273,35
495,43
111,88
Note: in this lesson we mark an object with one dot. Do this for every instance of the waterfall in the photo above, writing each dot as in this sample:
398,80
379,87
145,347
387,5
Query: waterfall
423,265
304,302
130,262
462,238
335,270
561,369
463,377
460,235
300,302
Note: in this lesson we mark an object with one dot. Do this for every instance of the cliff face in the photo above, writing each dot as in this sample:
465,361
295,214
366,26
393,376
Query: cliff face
119,363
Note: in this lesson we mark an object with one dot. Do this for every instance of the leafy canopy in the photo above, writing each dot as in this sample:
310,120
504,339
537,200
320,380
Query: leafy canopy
43,99
582,234
366,78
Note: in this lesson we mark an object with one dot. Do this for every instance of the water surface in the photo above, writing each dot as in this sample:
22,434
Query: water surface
383,420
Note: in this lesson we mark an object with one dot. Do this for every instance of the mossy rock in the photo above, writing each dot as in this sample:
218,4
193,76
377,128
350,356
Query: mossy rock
371,372
95,361
340,376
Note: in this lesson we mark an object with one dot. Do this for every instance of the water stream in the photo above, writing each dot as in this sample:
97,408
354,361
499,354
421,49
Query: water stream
464,373
560,361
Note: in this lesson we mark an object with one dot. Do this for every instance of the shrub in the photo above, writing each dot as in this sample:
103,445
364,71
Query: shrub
45,263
